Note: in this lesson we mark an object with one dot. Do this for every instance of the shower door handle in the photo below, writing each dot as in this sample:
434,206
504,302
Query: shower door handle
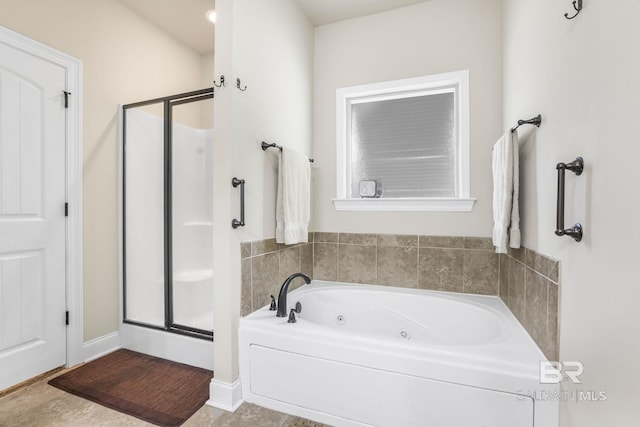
577,166
235,223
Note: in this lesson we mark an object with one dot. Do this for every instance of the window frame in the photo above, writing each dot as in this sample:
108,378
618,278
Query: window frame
396,89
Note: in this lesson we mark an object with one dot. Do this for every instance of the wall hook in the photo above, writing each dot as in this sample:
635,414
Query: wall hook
221,82
578,8
238,84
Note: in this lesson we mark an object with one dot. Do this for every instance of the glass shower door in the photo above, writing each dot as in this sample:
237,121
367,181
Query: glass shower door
167,210
143,225
191,207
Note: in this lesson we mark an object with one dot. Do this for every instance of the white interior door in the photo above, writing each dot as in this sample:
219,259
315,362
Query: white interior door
32,220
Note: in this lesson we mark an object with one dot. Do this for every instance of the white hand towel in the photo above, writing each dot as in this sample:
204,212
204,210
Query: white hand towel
293,199
502,166
514,230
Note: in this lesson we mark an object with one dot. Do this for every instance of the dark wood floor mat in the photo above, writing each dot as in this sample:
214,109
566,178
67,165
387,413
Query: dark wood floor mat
155,390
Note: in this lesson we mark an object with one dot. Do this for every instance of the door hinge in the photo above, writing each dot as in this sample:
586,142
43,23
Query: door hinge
66,209
66,317
66,98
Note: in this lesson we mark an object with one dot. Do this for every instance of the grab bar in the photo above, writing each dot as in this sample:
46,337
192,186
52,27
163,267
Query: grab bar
577,166
235,223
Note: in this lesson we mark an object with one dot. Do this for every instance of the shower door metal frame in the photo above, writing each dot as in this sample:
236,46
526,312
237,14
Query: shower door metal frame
168,103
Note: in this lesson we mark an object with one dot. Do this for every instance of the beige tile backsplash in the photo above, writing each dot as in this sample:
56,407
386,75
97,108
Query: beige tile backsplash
525,280
529,285
265,265
456,264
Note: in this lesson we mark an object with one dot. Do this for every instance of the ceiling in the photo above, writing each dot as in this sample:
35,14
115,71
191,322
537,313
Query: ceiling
322,12
185,21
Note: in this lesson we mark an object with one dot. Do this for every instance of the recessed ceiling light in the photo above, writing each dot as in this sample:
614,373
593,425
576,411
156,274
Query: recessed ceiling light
211,15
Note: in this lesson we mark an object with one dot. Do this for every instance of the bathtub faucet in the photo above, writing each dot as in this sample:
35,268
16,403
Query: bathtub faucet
282,297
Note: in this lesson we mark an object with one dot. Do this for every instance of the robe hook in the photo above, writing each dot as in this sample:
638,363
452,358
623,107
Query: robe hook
221,82
238,84
578,8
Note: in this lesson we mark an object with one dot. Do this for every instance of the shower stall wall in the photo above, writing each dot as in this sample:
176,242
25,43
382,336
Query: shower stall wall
167,285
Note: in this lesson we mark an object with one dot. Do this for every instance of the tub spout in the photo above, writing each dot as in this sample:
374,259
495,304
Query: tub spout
282,297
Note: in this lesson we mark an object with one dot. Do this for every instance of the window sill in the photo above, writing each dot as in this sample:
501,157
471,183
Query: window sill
405,205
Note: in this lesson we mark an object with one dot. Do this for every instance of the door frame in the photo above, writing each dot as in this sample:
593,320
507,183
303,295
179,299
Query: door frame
74,235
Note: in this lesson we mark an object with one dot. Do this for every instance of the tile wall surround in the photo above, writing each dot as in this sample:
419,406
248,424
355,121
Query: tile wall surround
525,280
456,264
529,285
265,266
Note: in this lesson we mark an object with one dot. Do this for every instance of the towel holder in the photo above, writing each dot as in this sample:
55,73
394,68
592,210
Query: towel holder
577,166
536,121
265,146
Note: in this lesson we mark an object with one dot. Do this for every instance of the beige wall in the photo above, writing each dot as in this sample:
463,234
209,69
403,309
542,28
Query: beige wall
269,46
125,59
206,64
206,112
582,76
429,38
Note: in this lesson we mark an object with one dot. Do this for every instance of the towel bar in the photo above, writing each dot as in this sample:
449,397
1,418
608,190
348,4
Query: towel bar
536,121
577,166
266,145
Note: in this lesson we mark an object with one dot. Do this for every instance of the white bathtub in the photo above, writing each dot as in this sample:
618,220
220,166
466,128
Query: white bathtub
364,355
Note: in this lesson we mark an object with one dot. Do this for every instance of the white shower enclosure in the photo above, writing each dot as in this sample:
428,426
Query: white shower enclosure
167,278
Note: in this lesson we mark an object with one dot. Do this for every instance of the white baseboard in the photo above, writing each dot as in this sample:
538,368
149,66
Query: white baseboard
101,346
224,395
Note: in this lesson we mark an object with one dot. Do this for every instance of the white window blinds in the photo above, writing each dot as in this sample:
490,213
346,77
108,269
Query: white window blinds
408,145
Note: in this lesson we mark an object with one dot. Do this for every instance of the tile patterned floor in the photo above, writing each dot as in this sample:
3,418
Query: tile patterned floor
41,405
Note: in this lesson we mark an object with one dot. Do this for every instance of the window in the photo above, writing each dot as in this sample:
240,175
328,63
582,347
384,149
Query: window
404,145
